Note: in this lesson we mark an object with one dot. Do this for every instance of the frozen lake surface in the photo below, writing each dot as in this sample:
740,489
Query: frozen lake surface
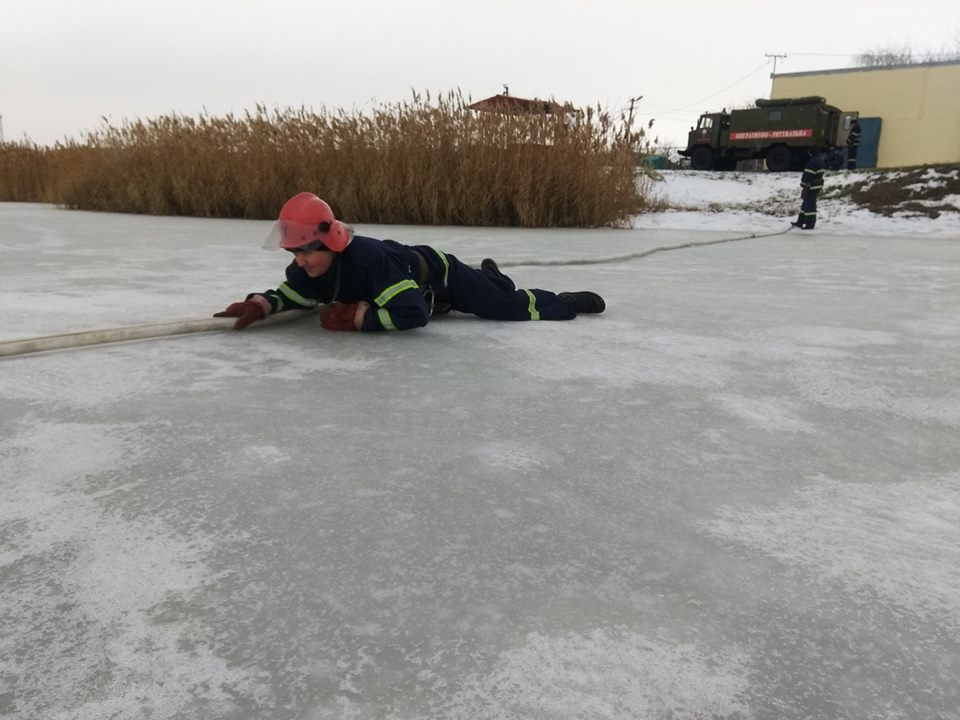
736,494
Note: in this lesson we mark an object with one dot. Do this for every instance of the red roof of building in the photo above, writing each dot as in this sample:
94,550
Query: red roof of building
510,104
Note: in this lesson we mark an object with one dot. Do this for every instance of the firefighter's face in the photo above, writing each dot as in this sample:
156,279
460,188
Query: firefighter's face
314,262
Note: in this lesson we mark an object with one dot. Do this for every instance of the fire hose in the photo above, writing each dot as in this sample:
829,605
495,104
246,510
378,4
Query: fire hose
132,332
105,336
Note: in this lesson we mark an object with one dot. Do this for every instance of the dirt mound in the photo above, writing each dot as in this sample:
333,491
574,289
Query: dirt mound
927,191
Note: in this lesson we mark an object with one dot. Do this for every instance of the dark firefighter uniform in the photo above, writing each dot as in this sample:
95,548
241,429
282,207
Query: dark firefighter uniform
405,285
853,144
811,183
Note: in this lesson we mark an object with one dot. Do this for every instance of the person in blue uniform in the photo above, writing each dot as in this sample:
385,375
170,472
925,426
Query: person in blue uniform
811,183
853,144
361,283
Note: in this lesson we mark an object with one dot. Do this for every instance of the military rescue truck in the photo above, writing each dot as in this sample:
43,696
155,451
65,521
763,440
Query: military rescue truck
782,132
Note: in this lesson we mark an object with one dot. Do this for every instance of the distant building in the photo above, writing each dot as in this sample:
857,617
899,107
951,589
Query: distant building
508,104
910,114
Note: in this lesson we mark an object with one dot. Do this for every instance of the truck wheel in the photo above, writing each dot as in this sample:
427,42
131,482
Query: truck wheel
779,158
702,159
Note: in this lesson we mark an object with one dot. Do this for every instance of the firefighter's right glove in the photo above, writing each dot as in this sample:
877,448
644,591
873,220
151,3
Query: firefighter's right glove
246,312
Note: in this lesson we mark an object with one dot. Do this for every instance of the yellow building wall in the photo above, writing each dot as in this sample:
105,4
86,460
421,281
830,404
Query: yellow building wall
919,106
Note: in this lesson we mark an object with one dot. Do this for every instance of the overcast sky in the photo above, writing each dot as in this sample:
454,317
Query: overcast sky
66,63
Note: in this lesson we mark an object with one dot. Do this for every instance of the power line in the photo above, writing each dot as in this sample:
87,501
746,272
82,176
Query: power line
745,77
702,100
753,72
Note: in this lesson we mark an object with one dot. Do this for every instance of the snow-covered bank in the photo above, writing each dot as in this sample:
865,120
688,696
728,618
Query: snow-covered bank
762,202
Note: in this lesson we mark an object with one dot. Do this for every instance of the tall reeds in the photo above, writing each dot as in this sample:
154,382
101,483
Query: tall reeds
432,162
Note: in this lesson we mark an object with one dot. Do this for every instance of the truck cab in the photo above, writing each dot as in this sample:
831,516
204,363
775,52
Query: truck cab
712,131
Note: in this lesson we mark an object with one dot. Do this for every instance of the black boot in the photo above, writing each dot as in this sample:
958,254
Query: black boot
584,301
490,267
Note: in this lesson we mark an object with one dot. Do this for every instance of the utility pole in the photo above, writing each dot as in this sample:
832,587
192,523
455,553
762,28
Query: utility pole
774,56
1,128
633,101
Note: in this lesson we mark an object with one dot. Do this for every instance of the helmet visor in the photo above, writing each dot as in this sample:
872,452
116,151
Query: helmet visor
291,235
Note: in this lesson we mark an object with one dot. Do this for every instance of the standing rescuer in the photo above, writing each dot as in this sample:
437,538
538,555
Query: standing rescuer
361,283
853,144
811,183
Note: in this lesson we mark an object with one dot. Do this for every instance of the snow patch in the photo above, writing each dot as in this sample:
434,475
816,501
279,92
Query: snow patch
605,675
901,540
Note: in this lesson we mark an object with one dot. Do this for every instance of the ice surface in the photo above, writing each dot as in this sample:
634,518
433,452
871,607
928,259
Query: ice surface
735,494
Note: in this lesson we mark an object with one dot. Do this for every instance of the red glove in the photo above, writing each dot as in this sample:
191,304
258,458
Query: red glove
248,311
339,316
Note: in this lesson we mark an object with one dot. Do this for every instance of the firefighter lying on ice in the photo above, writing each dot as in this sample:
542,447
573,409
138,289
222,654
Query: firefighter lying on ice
361,283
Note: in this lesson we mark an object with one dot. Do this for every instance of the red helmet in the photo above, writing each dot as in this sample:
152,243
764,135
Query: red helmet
307,223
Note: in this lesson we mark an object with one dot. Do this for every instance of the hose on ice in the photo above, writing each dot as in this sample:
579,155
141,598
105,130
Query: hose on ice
640,253
46,343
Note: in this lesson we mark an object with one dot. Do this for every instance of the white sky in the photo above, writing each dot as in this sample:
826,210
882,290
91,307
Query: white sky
65,64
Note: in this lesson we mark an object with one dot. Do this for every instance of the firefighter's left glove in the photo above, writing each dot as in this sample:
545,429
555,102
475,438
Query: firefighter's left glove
246,312
342,316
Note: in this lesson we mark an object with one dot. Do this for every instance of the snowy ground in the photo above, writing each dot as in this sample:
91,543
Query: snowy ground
736,494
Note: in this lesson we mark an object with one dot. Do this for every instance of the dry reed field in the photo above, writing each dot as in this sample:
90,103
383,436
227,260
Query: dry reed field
426,162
